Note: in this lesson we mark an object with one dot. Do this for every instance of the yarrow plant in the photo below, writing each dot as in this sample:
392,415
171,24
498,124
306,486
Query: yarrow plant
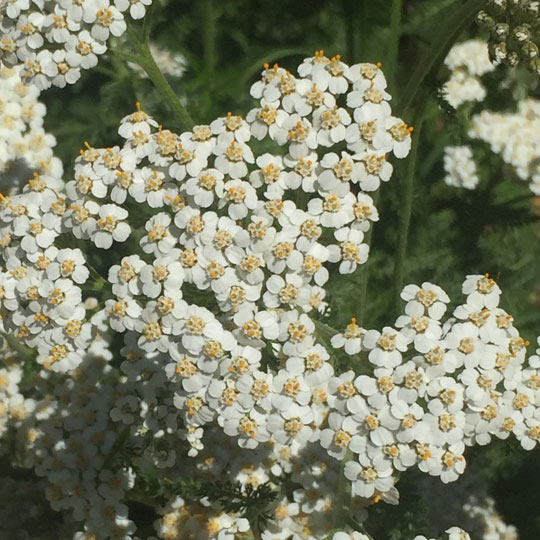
168,341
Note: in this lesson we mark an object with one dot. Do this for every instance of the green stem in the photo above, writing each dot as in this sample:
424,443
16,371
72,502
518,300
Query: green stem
351,9
363,30
393,45
431,63
147,26
343,496
209,42
414,94
145,59
17,346
407,197
359,527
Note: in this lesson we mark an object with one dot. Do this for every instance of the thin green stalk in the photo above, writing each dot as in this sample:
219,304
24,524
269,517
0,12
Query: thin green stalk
363,29
351,9
390,72
343,497
17,346
438,51
147,62
209,41
147,26
393,44
407,197
414,94
359,527
145,59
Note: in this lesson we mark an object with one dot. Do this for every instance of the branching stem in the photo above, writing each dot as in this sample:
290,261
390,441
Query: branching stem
145,60
416,94
407,198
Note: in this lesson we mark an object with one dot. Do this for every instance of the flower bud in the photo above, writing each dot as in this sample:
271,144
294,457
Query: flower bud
522,33
500,31
529,50
534,65
485,20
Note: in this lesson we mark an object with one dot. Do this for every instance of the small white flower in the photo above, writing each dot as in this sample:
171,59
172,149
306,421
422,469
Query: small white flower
159,239
110,226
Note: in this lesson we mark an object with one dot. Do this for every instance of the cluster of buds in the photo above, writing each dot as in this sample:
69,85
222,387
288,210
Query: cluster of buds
514,28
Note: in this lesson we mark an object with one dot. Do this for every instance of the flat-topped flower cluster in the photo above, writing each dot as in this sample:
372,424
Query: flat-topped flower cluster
53,41
218,257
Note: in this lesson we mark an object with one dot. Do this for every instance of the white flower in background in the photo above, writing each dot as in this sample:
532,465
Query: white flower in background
514,136
169,63
482,510
460,167
24,145
463,88
467,62
471,55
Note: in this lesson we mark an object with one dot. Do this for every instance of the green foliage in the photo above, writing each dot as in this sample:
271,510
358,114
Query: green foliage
404,521
249,501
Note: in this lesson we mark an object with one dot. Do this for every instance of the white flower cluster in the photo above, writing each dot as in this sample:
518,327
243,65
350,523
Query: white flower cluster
512,135
24,145
490,524
515,136
467,62
460,167
54,40
14,407
435,388
247,383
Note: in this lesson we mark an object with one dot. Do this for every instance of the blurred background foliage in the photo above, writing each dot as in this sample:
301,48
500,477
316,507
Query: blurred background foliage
454,232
